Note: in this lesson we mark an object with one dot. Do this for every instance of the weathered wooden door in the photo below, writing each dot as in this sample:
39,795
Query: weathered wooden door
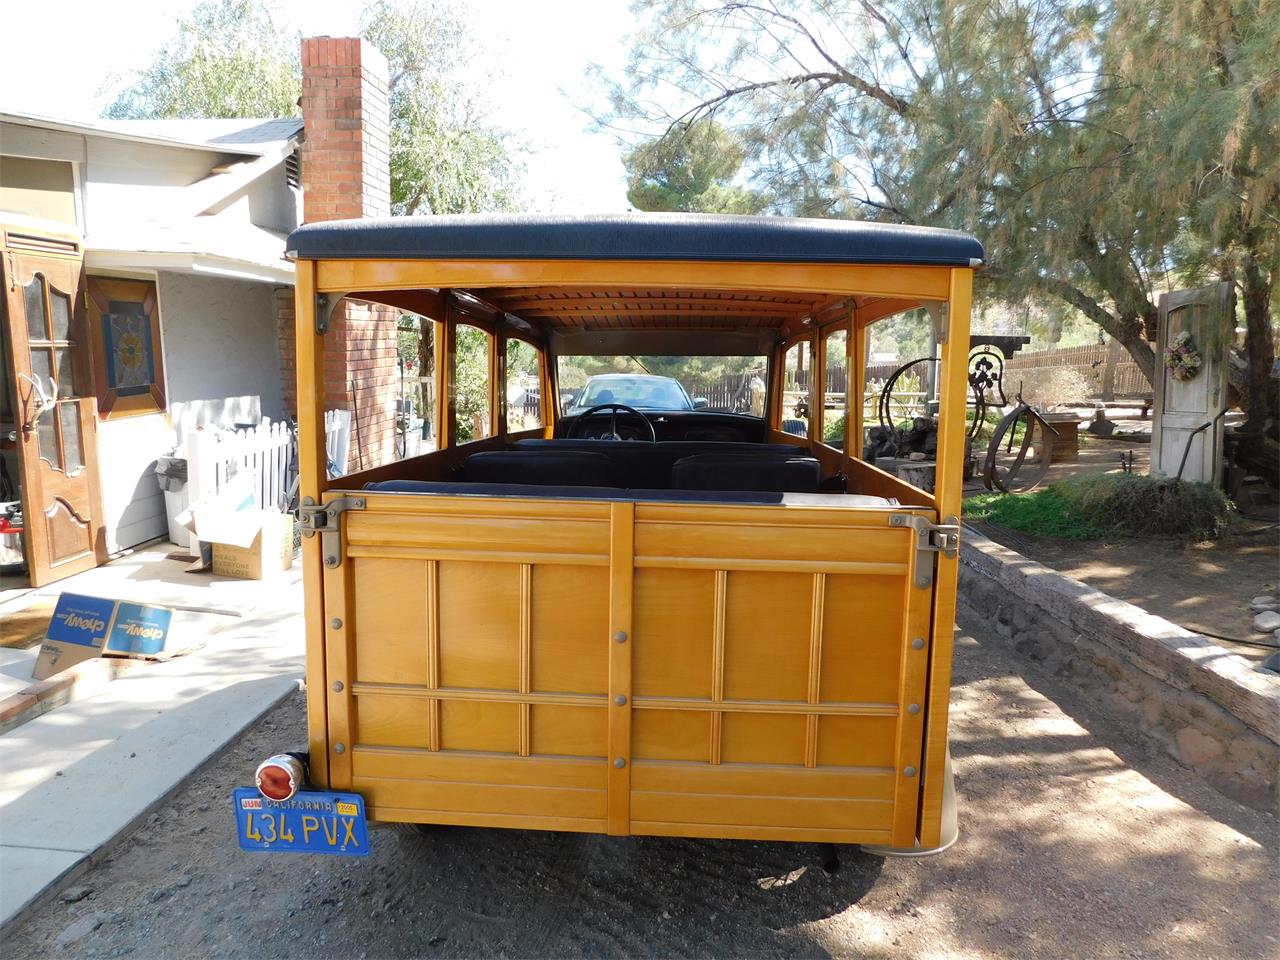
1182,406
56,423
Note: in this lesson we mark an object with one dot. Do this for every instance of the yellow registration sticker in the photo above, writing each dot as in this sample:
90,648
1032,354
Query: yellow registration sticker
347,809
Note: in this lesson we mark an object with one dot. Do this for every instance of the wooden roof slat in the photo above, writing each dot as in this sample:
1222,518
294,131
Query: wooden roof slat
537,295
657,307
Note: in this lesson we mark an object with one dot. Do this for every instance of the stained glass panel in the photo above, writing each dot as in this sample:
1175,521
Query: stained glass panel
126,330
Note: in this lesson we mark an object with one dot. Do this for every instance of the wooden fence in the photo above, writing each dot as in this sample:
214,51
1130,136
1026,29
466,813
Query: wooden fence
1091,362
1108,369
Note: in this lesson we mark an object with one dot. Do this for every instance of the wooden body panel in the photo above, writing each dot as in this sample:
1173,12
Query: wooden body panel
760,686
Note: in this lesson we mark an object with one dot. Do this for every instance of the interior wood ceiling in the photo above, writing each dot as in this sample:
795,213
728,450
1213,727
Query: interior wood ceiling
592,308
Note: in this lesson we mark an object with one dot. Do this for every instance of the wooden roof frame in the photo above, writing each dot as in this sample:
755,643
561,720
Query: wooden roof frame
598,295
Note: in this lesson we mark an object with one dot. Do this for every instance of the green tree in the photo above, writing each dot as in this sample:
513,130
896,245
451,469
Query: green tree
471,383
446,156
1102,151
228,59
1210,120
691,167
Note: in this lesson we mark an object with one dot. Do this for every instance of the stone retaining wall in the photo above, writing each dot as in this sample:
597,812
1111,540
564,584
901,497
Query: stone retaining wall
1207,707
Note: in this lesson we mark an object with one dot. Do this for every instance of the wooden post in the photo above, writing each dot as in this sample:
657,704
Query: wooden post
859,337
948,491
818,390
621,640
815,383
449,387
313,481
498,381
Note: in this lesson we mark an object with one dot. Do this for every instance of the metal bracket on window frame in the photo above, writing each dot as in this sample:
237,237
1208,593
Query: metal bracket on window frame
931,538
326,303
326,520
940,314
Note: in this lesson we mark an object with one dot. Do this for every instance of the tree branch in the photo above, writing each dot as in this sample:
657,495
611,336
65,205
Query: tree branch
1124,329
876,92
825,81
876,15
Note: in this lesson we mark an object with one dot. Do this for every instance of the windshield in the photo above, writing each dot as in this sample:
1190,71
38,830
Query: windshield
665,384
643,393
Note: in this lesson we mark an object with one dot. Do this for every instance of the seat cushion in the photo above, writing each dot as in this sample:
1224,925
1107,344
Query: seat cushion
735,472
555,467
567,492
847,500
638,463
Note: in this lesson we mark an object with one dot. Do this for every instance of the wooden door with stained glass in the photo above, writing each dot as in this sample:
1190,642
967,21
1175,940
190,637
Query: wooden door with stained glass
56,419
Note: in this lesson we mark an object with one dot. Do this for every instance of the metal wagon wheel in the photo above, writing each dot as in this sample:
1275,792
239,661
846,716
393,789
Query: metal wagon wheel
1019,475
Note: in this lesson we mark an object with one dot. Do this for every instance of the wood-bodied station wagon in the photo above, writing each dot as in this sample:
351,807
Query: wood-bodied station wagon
650,612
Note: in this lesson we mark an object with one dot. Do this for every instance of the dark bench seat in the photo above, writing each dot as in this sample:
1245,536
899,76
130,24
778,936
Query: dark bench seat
541,491
579,468
779,473
640,464
531,490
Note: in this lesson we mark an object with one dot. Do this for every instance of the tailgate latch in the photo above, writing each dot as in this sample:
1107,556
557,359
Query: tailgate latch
325,519
931,538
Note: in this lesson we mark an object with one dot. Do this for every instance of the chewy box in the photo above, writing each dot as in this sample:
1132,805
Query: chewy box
86,627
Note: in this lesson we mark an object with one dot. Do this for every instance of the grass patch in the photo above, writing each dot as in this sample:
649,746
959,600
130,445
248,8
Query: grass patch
1046,513
1109,505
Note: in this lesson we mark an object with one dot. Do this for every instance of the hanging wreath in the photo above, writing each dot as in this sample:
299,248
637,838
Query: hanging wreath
1181,358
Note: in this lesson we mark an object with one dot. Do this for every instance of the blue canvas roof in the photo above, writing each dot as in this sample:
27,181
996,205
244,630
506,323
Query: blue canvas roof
635,236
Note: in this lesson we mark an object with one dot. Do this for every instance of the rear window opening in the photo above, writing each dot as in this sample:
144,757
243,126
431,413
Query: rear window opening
667,384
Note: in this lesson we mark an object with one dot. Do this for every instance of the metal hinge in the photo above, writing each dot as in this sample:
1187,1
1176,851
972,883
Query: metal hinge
325,519
931,538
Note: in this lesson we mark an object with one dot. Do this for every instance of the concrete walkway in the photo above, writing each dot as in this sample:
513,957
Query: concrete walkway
74,779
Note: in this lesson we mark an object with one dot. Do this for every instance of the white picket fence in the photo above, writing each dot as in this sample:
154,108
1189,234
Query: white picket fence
265,453
337,441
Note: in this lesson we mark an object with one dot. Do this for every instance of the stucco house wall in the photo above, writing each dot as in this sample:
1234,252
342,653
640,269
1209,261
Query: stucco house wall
230,322
222,367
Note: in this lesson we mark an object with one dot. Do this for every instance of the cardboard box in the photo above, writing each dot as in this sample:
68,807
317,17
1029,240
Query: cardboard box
256,546
83,628
138,630
247,542
76,633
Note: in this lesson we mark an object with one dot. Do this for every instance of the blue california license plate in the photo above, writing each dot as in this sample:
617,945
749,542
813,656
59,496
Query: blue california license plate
312,821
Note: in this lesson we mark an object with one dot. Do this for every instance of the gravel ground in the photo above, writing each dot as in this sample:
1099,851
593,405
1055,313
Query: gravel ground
1078,839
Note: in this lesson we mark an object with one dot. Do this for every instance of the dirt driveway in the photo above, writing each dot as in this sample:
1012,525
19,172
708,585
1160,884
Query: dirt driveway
1078,839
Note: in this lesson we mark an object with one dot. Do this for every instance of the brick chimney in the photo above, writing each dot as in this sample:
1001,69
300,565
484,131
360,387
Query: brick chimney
346,174
346,161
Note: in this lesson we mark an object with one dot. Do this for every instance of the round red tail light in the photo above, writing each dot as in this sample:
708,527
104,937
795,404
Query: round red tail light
279,777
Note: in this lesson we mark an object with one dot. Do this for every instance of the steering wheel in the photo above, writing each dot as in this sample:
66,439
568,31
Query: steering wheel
613,420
